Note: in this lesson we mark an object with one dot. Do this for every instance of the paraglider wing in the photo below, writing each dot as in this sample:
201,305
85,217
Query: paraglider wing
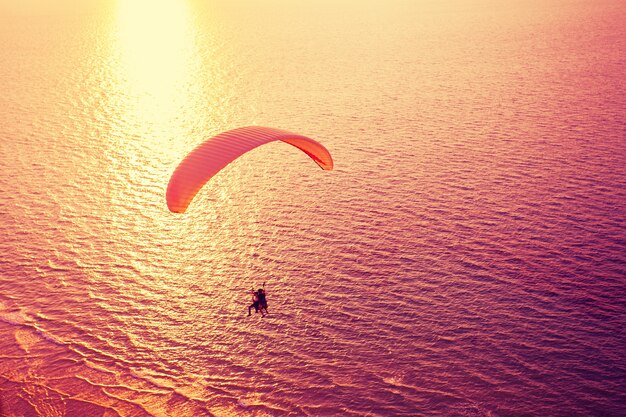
214,154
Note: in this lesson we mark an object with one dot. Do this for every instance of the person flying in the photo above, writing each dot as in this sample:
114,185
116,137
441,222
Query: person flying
262,301
255,303
259,302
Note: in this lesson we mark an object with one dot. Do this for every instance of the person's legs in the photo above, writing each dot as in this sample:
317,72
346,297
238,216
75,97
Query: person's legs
256,308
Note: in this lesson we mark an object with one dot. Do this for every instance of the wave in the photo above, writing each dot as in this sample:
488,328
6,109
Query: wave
74,380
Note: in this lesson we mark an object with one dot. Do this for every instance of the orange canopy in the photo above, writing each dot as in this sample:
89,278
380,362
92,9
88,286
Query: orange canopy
215,153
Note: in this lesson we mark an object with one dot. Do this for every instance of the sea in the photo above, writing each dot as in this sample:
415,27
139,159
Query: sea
465,258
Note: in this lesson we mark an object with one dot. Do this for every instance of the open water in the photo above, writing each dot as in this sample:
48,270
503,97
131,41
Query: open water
467,256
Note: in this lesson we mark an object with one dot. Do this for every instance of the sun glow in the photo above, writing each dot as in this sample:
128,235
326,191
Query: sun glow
157,55
155,91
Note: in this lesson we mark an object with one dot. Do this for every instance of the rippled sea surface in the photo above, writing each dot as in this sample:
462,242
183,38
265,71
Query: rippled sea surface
466,257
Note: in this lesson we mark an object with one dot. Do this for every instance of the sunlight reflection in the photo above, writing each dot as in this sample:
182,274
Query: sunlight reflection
156,44
156,92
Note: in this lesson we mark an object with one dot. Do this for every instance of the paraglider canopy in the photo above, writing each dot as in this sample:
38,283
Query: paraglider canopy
215,153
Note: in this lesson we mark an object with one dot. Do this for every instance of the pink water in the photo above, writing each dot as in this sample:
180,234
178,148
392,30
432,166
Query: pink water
467,257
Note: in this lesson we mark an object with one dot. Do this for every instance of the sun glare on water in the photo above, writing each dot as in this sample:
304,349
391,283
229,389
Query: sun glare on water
156,47
156,66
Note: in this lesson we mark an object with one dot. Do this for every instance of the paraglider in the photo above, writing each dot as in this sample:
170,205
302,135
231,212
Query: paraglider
215,153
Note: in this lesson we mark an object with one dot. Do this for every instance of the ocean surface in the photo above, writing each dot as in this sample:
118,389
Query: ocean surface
466,257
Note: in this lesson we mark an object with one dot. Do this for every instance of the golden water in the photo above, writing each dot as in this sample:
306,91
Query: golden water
465,258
